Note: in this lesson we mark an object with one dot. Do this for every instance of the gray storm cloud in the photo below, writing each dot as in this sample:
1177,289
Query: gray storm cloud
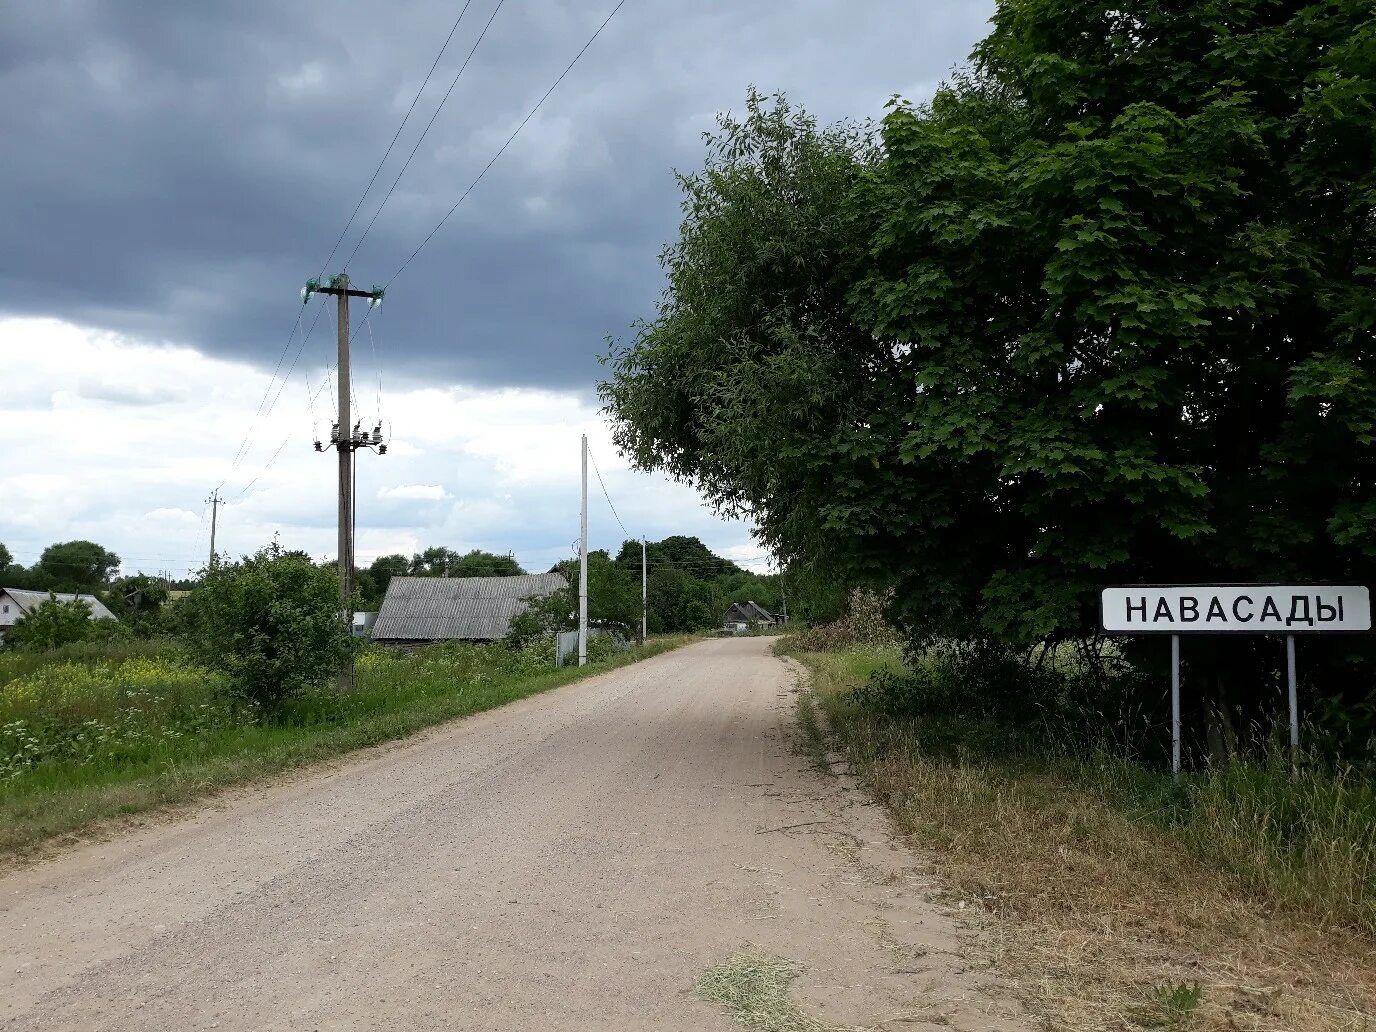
176,171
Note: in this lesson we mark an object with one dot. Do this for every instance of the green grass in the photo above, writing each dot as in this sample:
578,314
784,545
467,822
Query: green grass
107,736
1168,1006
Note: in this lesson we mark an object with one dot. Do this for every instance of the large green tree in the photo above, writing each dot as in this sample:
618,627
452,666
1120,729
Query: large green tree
77,566
1102,311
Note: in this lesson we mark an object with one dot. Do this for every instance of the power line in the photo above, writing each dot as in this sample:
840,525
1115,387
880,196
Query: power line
395,136
606,495
425,132
281,389
502,150
244,444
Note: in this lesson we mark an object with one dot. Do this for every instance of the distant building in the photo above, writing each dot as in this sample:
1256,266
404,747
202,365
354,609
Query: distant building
17,603
746,616
425,609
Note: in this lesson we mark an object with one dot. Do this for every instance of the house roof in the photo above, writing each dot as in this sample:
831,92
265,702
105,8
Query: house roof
752,611
471,608
28,601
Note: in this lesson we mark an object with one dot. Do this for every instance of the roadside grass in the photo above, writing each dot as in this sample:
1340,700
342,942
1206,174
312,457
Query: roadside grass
1241,899
95,738
755,987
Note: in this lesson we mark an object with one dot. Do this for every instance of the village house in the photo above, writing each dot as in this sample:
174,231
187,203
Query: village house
16,603
417,610
746,616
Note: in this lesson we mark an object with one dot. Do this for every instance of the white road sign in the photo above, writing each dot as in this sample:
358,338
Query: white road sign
1235,609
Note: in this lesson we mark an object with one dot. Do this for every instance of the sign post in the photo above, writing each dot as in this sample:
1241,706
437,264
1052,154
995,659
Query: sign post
1288,609
1175,704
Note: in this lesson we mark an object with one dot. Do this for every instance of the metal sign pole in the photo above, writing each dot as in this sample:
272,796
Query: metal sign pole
1175,704
1294,698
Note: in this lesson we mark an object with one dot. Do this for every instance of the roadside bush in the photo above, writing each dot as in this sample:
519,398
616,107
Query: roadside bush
270,623
862,625
1079,696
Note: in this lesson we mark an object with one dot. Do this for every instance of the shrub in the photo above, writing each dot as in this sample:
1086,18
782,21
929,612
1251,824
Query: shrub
52,625
862,625
270,622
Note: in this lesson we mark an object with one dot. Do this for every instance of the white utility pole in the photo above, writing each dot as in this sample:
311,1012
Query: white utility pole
583,566
644,593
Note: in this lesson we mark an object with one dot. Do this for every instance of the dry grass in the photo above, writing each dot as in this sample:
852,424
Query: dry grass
1105,922
755,987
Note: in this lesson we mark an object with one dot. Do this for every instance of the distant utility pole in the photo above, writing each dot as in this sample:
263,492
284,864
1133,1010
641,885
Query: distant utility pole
583,565
644,593
347,440
214,501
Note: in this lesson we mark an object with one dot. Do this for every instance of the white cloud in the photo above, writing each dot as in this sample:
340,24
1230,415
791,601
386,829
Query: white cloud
413,492
467,468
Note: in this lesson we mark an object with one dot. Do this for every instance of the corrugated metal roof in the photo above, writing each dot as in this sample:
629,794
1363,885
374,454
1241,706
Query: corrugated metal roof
28,601
469,608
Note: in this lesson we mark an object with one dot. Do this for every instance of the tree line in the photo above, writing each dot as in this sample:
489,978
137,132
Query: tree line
688,587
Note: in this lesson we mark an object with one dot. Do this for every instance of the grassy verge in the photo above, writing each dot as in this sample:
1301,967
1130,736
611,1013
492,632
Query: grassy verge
94,738
1118,900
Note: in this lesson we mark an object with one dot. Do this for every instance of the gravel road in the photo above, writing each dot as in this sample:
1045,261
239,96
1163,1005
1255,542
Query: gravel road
576,860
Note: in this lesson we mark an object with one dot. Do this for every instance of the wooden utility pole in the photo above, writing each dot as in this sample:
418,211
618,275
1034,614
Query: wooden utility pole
583,566
347,440
214,501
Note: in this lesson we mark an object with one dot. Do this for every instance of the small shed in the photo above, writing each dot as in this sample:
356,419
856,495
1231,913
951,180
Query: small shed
743,616
425,609
16,603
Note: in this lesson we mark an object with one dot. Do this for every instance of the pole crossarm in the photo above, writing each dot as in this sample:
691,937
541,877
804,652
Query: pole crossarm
338,286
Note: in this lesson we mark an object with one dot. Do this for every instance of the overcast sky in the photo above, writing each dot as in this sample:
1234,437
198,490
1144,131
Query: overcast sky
174,172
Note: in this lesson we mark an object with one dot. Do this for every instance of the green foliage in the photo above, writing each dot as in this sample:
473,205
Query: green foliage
862,625
380,574
445,562
52,625
270,623
544,617
689,588
6,559
84,714
678,601
1169,1005
1103,311
76,566
138,602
